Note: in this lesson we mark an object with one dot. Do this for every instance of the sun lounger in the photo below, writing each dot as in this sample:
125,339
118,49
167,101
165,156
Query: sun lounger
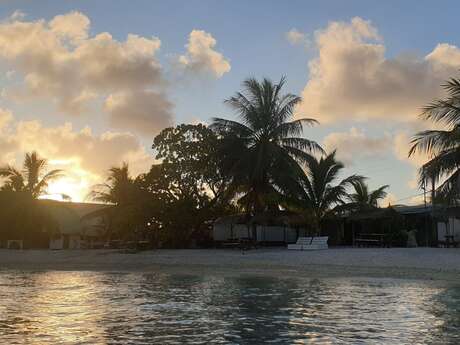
310,243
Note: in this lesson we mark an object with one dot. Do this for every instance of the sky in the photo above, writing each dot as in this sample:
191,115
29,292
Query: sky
88,84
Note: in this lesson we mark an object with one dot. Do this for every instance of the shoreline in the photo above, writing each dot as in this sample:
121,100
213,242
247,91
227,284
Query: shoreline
433,264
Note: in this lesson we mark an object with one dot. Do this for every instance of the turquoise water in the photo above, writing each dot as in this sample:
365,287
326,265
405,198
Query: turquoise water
119,308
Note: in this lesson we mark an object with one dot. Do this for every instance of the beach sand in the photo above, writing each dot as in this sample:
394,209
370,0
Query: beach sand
404,263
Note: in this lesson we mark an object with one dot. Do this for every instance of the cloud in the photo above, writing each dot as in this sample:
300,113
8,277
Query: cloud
351,79
73,26
119,106
296,37
61,62
8,144
355,145
201,56
401,146
17,15
84,155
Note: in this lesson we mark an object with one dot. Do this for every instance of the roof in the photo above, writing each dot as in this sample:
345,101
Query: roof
69,215
415,209
378,213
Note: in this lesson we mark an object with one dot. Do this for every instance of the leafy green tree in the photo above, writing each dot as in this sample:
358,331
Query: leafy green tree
263,150
322,191
443,146
364,199
33,179
192,164
189,186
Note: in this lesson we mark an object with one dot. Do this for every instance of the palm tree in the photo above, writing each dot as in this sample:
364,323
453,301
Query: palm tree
443,146
117,188
263,150
121,190
321,194
363,198
32,179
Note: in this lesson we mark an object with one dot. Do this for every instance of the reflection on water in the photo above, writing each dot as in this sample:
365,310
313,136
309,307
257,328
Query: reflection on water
116,308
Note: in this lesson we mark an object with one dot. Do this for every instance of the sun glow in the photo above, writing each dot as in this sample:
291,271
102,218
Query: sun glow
67,187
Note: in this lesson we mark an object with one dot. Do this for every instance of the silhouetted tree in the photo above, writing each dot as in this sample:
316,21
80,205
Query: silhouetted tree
364,199
33,179
442,145
322,191
263,150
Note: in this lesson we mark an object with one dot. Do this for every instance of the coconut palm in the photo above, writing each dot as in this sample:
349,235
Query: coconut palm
363,198
32,179
128,216
117,188
443,146
322,191
262,150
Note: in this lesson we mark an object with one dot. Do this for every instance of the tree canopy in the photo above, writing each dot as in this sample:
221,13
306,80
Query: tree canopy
264,149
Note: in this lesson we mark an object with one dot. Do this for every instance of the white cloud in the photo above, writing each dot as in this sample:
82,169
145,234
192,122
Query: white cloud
73,26
296,37
201,56
351,79
355,145
61,62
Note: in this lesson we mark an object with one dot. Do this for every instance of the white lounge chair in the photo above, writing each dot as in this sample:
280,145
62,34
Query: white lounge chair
309,243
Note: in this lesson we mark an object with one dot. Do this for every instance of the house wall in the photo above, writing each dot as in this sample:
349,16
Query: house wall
453,228
276,234
65,242
224,232
57,242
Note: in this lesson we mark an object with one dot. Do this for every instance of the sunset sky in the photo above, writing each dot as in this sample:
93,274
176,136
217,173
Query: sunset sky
88,84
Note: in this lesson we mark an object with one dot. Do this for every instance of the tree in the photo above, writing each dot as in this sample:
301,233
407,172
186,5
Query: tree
443,146
363,198
192,164
189,186
263,151
320,193
32,179
116,190
130,215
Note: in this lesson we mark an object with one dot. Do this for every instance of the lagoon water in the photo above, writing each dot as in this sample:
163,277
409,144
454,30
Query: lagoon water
161,308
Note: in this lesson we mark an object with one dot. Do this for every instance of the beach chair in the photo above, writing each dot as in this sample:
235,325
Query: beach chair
310,243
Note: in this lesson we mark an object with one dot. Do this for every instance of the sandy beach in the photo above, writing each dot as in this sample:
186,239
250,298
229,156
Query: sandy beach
407,263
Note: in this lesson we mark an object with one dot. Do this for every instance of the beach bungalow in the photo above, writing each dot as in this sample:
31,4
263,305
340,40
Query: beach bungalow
389,226
280,227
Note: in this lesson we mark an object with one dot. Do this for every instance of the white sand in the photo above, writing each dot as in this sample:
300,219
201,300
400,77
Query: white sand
417,263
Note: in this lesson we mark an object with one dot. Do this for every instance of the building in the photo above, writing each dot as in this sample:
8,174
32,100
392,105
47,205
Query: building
280,227
432,226
77,225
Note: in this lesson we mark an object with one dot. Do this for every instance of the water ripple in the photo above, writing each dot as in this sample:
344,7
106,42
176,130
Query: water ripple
121,308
